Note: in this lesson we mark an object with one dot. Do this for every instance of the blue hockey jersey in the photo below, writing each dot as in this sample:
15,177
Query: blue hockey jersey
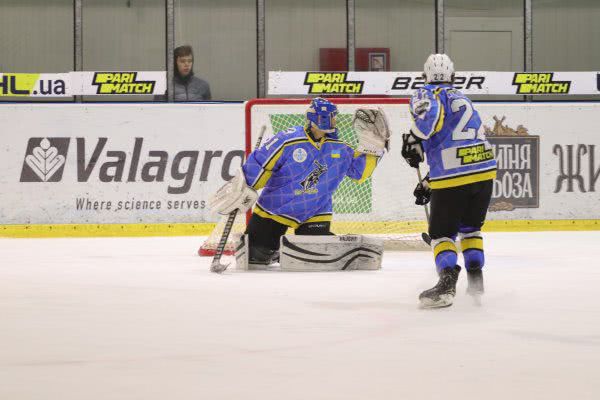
299,175
456,148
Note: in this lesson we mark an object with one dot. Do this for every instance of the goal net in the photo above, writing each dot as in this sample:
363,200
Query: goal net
382,206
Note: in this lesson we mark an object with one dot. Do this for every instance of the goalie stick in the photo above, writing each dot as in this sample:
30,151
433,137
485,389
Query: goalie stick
424,235
216,265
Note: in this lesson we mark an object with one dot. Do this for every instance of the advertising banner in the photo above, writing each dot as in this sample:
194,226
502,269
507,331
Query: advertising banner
405,83
35,85
116,163
159,163
83,83
121,82
548,160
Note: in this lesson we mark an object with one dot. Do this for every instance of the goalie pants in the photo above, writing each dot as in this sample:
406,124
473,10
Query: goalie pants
266,232
459,211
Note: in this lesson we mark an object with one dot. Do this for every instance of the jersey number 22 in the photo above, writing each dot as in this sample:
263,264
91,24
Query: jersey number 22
461,132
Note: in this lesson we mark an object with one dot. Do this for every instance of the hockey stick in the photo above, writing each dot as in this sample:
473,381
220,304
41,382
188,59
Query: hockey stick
424,235
216,265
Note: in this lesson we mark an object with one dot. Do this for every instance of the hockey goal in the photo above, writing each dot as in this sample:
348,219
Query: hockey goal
381,206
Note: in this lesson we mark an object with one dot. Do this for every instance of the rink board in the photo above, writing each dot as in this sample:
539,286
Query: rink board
148,169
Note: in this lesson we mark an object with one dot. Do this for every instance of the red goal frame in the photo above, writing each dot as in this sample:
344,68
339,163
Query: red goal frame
295,101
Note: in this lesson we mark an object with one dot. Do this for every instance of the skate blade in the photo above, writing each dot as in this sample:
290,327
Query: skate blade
476,296
445,300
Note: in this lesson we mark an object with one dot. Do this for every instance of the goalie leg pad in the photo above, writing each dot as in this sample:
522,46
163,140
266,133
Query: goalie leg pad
249,258
241,253
330,253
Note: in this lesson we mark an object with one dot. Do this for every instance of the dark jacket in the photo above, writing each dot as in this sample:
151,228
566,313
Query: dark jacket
190,88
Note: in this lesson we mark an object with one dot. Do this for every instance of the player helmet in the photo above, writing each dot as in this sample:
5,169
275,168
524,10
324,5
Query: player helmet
321,113
438,68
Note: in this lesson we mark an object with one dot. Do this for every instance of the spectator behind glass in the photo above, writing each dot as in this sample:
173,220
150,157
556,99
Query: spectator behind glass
186,86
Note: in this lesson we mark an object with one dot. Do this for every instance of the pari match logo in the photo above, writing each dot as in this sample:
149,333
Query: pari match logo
540,83
45,159
121,83
332,83
474,154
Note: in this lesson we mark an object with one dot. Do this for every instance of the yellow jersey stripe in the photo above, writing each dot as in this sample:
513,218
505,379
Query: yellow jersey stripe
278,152
462,180
320,218
311,141
441,117
261,180
277,218
370,164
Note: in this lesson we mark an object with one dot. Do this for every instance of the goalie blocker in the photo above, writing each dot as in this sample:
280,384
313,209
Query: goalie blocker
319,253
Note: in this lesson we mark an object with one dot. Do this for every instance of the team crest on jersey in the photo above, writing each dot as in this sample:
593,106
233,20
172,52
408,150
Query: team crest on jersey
309,184
299,155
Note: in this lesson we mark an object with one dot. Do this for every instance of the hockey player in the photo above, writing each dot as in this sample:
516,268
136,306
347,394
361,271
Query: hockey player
299,170
462,168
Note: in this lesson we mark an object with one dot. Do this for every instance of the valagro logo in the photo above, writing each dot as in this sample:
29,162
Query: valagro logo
331,83
44,159
540,83
121,83
517,183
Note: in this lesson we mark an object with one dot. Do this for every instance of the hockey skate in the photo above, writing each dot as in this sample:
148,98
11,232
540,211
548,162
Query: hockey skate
475,282
442,294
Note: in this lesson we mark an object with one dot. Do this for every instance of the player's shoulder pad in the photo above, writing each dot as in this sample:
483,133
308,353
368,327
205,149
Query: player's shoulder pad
293,133
421,101
423,93
274,144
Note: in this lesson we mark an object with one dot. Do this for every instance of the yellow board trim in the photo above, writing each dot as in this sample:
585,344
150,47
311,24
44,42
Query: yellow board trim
444,246
471,243
462,180
204,229
105,230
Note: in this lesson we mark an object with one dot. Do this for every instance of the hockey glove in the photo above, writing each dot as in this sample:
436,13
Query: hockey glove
372,130
412,149
422,192
235,194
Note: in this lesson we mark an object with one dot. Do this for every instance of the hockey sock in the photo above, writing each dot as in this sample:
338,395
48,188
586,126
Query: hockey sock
444,252
472,249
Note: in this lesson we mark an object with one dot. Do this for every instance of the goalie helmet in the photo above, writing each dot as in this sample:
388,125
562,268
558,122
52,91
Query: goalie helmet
438,68
321,113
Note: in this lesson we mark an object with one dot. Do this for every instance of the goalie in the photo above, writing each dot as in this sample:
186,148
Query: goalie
299,170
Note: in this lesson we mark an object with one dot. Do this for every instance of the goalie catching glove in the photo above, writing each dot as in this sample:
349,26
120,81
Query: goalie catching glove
412,149
372,130
234,195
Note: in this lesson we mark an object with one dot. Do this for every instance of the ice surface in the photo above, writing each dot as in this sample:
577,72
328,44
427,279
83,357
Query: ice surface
143,318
